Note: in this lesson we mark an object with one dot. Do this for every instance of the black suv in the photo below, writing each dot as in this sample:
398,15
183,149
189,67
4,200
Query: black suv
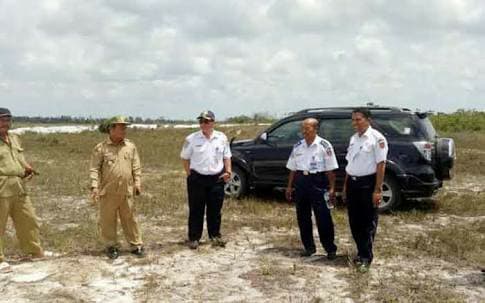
418,160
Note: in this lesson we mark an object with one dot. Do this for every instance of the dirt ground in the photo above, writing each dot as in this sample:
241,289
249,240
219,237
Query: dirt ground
252,268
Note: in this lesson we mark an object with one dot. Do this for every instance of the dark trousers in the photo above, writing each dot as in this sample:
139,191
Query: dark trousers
309,190
204,191
362,214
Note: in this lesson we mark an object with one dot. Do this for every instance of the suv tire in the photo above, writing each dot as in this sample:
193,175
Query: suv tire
237,185
391,194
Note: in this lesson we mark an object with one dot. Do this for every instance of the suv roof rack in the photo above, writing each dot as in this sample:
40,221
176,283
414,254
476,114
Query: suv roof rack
351,108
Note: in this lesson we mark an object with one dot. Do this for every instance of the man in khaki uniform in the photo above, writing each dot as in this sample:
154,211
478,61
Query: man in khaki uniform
115,178
14,201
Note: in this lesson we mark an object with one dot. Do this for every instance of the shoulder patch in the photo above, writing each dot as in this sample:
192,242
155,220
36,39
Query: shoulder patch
382,143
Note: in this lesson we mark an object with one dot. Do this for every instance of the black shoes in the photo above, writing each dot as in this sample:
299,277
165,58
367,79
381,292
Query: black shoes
332,255
112,252
307,253
363,265
218,242
139,252
193,244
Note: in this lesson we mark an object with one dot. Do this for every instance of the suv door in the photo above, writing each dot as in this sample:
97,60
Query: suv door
269,157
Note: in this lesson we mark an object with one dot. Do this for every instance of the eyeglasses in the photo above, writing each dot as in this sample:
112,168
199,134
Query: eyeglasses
205,121
5,119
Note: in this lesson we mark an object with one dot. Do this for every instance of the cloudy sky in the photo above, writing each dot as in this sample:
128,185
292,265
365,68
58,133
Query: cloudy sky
155,58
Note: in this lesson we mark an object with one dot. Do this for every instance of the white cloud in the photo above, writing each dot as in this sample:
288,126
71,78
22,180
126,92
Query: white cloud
174,58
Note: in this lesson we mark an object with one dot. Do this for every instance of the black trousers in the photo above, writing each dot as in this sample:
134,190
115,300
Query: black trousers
309,190
363,216
204,191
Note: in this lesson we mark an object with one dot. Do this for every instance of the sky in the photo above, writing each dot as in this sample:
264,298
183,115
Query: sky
173,59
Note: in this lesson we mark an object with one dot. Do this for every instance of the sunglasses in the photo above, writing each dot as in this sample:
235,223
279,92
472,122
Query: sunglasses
205,121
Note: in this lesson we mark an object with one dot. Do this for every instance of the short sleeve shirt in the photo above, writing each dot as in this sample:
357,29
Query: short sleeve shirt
316,157
365,152
206,155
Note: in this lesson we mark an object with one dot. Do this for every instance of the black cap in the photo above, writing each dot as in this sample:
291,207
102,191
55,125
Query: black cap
207,115
4,112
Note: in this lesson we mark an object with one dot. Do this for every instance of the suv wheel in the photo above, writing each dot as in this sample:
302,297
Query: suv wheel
391,194
237,185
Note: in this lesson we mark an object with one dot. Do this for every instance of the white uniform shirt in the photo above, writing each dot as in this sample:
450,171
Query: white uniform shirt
206,155
316,157
365,152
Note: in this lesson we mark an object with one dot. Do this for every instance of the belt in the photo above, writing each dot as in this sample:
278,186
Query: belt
193,171
307,172
360,178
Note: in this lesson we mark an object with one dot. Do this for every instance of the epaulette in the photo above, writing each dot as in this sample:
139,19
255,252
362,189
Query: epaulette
99,146
298,144
324,143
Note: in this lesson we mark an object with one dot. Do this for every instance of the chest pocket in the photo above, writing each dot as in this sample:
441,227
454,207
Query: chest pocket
109,159
128,155
219,149
199,147
367,147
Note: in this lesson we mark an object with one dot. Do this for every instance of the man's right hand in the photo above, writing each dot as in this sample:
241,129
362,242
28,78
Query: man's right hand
289,193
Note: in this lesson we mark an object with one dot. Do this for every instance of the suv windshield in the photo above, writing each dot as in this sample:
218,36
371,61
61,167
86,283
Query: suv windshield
405,126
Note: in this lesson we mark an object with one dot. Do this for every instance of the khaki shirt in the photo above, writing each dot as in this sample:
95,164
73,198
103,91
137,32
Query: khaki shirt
115,168
12,167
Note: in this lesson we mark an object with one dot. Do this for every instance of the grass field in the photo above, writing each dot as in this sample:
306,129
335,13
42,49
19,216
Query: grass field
427,251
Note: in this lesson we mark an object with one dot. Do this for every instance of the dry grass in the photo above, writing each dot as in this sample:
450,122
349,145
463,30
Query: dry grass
60,197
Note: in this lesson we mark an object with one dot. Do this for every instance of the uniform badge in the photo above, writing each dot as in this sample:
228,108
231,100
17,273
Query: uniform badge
329,151
382,143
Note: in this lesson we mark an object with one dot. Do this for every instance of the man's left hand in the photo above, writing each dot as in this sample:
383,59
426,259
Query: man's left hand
226,177
376,198
332,196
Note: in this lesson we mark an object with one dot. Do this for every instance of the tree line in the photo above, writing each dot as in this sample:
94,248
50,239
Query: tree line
66,119
461,120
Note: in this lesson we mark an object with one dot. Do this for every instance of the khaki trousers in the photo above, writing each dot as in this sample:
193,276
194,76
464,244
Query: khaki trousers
20,209
111,206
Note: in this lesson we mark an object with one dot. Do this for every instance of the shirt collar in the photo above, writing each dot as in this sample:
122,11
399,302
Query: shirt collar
213,135
112,143
366,133
313,143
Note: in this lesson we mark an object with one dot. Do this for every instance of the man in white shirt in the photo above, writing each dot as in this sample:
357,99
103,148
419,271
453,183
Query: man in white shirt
206,158
311,166
366,164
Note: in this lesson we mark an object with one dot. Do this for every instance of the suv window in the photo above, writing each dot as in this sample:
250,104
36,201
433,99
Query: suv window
405,126
289,133
336,130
